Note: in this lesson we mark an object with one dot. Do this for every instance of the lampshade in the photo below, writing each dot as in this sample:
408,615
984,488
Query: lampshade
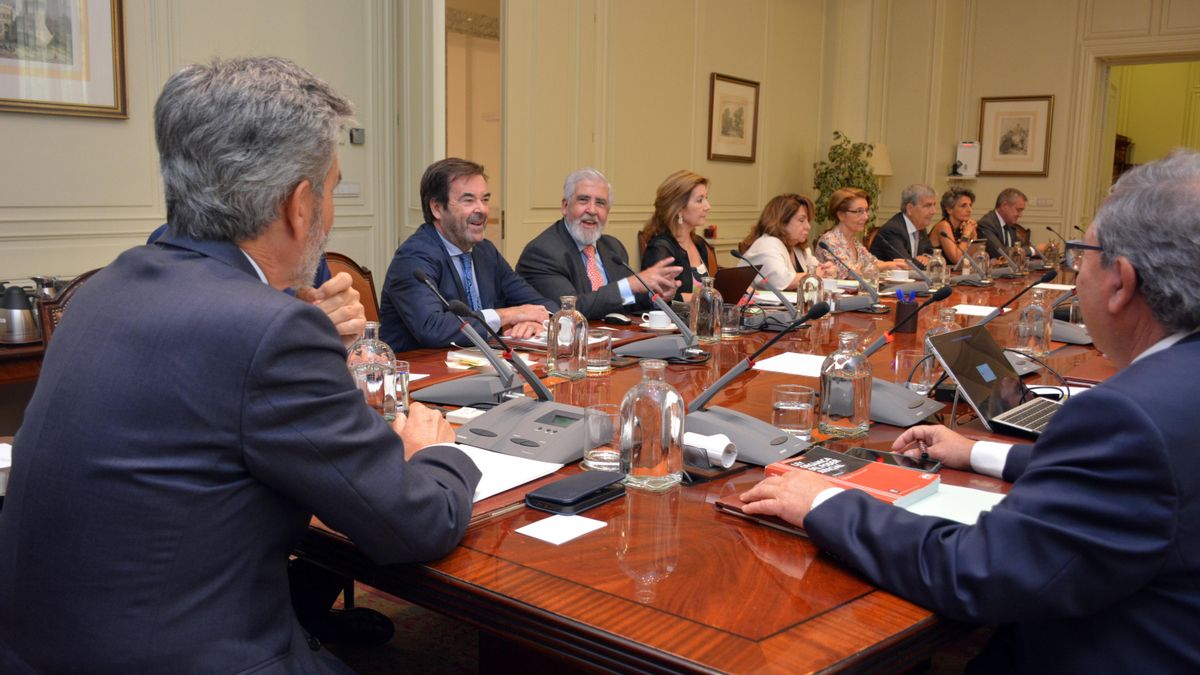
881,161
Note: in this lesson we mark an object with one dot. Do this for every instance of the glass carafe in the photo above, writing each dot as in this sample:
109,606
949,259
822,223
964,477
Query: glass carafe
978,252
936,270
1019,257
652,431
706,312
808,292
846,389
372,364
947,322
1031,332
566,341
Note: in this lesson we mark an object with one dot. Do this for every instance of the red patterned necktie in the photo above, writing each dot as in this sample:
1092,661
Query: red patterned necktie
593,269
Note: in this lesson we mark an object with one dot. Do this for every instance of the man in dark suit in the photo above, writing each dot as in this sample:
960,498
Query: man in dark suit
574,256
451,250
904,234
996,226
173,455
1091,562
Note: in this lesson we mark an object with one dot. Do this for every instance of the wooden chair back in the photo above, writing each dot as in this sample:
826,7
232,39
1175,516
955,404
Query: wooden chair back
50,312
363,281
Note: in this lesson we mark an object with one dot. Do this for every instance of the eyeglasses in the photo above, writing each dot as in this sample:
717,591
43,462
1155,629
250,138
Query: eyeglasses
1075,250
858,212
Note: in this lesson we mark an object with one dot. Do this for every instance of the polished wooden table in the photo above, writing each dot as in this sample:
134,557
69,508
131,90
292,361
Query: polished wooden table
670,584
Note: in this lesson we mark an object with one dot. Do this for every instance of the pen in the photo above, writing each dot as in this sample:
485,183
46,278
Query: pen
924,450
899,295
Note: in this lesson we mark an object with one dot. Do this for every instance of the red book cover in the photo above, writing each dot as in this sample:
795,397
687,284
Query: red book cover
887,482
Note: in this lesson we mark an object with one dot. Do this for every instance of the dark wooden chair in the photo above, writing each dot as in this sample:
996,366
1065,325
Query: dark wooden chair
363,281
51,311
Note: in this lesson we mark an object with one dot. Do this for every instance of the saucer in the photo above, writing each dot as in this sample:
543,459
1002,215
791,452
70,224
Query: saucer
671,328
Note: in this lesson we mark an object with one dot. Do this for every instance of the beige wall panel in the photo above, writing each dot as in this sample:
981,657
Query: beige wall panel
560,86
908,97
1180,17
1118,18
791,100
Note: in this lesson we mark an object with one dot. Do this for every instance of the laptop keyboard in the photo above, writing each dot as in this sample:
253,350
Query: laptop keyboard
1033,414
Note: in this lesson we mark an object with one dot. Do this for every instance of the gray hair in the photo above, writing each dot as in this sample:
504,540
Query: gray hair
1009,195
585,174
913,194
236,137
1150,219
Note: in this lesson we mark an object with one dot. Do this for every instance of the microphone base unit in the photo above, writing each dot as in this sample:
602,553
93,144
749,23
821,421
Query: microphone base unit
662,347
895,404
970,280
1071,333
777,321
468,391
757,442
858,303
915,287
545,431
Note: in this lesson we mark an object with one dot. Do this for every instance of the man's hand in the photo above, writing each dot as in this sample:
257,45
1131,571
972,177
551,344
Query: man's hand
660,277
525,329
789,496
422,428
923,259
510,316
341,303
952,449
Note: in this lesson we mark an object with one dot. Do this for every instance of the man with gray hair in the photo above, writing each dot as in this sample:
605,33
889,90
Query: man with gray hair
904,235
173,454
1091,561
574,256
997,226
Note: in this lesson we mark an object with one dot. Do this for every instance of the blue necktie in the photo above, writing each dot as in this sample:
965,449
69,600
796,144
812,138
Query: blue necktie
469,281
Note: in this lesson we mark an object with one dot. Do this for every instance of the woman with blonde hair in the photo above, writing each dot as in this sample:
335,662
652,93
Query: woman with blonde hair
680,208
850,208
779,243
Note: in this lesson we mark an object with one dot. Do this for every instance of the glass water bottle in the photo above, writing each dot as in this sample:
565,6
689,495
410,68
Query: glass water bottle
936,270
947,322
1033,328
652,431
372,364
706,312
846,389
808,292
566,341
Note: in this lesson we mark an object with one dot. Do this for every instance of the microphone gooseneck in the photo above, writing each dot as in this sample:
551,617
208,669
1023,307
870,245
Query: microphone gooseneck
791,309
1054,232
1046,278
938,295
462,311
854,273
659,302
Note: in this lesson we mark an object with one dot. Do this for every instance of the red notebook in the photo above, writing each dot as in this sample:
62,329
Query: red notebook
887,482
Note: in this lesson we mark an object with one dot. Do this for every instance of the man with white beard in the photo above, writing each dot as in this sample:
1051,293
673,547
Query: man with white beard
574,256
452,252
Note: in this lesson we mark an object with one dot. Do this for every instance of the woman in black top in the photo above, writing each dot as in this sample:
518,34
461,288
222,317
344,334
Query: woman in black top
680,208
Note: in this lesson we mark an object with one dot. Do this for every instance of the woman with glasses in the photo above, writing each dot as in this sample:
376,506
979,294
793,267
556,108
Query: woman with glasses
779,243
957,228
851,207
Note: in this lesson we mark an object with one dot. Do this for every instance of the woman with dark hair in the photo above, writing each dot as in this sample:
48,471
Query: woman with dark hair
850,208
680,208
956,229
779,243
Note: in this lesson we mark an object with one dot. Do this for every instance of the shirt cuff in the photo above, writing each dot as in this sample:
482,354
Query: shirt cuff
988,458
627,297
824,496
492,317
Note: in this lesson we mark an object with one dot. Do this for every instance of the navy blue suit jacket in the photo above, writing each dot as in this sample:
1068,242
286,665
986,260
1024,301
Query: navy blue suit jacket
891,241
412,316
187,423
1092,561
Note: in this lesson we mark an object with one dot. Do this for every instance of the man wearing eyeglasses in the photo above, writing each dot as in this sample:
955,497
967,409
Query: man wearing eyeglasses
451,250
1091,562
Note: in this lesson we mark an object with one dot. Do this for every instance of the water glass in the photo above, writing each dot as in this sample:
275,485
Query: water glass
400,377
731,322
792,409
602,437
915,368
599,352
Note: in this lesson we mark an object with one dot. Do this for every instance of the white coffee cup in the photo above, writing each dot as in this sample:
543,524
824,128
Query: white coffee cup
897,275
656,319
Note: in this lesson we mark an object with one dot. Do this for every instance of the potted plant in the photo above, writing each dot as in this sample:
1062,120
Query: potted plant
848,165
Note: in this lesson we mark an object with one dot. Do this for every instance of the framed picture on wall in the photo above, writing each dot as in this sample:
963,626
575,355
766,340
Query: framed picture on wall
732,118
63,57
1014,136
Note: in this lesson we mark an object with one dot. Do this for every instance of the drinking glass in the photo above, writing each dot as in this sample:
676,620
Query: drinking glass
599,352
731,322
792,409
914,369
400,377
602,437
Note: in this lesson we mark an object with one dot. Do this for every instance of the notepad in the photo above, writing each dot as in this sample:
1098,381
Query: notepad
791,363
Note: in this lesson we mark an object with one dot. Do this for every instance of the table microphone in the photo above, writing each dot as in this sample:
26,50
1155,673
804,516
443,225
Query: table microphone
659,302
938,295
1054,232
1080,230
791,309
846,305
1012,266
462,311
1046,278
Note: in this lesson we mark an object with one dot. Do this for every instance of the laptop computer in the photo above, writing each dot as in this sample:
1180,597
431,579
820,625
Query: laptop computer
989,383
732,282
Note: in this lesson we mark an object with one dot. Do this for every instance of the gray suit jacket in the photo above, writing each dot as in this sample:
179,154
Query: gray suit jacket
552,265
188,422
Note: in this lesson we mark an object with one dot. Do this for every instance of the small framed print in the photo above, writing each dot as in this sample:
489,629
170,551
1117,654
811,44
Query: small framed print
732,118
1014,136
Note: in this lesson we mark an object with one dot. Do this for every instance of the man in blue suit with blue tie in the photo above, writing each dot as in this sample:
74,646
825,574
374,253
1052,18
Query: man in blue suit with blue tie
450,248
1091,563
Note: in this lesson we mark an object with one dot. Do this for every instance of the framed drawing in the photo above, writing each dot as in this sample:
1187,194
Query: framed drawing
63,57
732,118
1014,136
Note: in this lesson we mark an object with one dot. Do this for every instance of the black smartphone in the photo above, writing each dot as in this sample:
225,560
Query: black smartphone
577,493
929,465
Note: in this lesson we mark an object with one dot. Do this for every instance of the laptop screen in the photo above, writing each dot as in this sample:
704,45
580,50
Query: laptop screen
732,282
978,365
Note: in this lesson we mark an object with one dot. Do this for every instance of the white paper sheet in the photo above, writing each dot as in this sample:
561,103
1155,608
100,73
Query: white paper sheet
558,529
1056,287
956,503
976,310
791,363
504,472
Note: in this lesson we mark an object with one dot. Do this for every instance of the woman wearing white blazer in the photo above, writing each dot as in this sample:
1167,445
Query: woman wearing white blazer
779,243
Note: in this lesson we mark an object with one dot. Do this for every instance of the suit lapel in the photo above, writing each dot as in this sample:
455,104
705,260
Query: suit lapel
574,262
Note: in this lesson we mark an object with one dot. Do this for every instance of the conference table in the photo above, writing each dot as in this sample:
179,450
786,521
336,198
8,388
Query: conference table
670,584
